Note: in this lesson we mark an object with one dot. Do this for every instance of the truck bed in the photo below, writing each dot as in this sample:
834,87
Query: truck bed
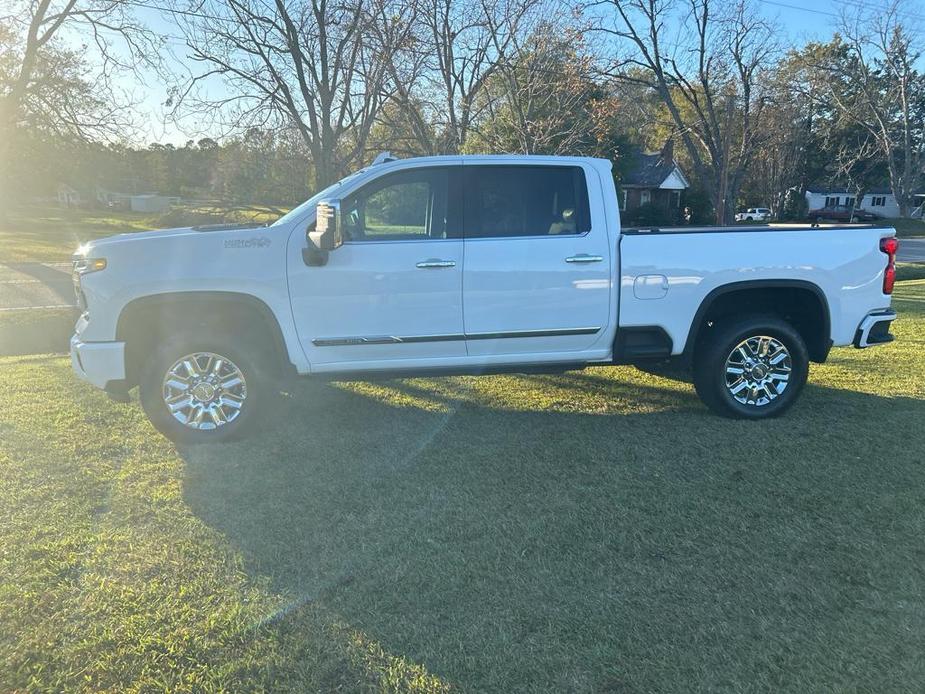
666,274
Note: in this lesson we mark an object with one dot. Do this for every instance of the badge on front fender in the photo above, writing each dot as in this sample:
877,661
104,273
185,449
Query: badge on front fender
255,242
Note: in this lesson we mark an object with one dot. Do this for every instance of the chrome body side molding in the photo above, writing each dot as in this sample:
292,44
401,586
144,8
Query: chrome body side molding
395,339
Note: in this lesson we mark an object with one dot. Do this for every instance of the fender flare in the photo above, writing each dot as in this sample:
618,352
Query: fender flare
188,300
693,332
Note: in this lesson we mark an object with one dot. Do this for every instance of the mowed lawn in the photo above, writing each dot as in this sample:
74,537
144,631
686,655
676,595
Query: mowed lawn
51,233
597,531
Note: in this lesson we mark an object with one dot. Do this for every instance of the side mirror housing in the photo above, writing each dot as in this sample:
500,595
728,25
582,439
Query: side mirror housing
327,234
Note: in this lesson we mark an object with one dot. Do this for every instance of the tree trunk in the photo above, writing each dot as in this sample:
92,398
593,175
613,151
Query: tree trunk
324,174
859,194
722,194
7,134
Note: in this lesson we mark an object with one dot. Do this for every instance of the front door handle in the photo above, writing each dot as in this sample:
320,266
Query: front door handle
584,258
435,263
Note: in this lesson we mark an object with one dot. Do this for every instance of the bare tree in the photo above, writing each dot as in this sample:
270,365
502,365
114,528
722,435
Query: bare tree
59,58
795,126
855,163
873,83
543,99
709,76
315,65
455,50
90,40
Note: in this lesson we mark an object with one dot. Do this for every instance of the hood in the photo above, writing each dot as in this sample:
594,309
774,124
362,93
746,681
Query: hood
159,234
128,237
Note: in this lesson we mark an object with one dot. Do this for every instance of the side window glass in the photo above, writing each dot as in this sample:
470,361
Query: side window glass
511,201
406,205
399,209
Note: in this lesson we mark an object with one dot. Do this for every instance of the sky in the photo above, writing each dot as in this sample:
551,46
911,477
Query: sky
799,21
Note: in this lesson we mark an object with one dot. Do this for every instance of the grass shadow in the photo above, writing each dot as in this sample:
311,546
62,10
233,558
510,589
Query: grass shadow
55,281
508,546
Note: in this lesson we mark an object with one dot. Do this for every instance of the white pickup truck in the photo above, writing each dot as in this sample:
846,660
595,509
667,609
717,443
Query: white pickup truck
478,264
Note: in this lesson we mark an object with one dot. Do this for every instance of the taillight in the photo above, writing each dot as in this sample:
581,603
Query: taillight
889,246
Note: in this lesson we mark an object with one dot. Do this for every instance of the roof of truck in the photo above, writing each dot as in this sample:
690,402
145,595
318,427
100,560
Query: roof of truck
456,158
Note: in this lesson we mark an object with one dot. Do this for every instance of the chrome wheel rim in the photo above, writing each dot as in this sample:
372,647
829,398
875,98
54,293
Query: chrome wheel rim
758,370
204,390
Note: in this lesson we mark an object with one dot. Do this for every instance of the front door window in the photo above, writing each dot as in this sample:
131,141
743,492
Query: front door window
405,206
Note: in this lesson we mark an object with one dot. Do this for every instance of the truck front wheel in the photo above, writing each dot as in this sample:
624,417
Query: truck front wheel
198,390
752,368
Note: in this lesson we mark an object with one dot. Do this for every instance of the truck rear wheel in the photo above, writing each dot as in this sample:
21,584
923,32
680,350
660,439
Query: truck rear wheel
752,368
199,390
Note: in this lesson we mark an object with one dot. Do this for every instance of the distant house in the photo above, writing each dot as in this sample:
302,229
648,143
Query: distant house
653,179
879,201
68,196
111,198
152,202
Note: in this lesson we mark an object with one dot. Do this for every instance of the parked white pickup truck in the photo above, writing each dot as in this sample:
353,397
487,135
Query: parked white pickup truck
475,264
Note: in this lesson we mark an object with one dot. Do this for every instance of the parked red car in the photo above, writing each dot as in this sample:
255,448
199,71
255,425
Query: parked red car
840,213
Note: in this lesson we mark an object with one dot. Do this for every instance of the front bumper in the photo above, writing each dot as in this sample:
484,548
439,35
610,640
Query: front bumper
875,329
99,363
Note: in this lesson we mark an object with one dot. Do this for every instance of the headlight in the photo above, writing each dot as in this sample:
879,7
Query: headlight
84,265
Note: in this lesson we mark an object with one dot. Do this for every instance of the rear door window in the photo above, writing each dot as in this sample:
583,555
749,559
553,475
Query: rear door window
518,201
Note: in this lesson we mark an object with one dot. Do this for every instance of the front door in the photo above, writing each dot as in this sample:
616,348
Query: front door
391,296
537,276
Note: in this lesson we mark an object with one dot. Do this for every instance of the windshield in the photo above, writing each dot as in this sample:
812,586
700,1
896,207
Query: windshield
298,211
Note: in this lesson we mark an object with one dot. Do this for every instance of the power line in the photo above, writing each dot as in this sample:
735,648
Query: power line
797,7
854,3
867,6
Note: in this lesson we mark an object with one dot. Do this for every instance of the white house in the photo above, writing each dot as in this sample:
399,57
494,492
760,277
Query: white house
152,202
105,196
878,201
68,196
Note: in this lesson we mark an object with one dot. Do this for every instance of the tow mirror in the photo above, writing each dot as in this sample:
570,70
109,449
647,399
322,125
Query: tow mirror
327,234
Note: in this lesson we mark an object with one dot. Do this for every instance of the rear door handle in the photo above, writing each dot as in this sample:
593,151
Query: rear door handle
584,258
435,263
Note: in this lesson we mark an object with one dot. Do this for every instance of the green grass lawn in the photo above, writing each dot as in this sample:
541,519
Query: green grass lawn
906,227
36,331
52,233
597,531
910,271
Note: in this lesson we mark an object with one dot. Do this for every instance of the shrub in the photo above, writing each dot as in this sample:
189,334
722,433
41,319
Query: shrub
652,215
794,207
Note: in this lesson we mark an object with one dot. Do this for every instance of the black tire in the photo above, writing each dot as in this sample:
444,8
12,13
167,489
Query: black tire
710,377
250,360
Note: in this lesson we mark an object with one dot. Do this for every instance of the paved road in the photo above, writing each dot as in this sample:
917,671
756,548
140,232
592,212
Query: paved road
26,286
911,251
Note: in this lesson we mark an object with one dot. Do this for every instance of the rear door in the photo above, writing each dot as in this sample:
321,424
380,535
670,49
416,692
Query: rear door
537,260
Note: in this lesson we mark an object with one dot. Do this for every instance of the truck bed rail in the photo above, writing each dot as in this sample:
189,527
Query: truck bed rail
742,228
